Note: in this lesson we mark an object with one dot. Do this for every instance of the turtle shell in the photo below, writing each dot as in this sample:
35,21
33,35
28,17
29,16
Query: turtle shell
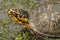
45,20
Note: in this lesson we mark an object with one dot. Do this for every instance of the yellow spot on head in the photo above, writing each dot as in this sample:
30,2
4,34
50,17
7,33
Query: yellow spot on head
14,19
19,22
25,19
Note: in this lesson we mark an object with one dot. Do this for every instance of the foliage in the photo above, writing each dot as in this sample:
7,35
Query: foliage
24,36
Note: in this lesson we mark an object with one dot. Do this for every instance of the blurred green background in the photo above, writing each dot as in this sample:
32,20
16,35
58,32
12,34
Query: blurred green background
9,30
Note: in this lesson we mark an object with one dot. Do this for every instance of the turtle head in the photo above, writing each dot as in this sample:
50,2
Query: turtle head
19,16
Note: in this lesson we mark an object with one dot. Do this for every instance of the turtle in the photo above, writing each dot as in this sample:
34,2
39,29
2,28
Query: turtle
43,22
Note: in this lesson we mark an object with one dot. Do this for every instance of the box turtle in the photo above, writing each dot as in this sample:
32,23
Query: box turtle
43,20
